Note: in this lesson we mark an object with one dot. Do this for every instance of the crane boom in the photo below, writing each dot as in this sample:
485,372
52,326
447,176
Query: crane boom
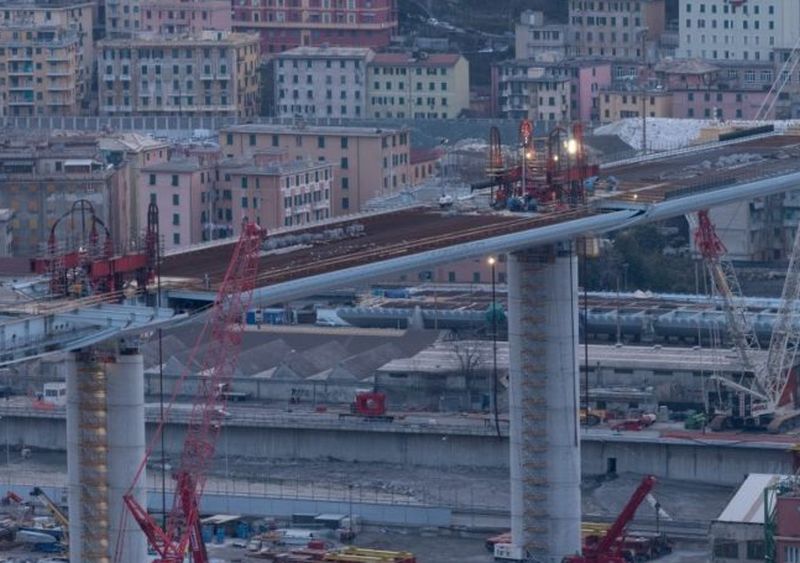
724,279
218,357
785,338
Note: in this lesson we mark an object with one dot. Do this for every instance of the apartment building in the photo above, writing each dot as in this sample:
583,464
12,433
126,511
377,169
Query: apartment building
321,82
170,17
181,188
201,197
123,18
137,151
615,28
210,73
527,89
421,86
40,71
286,24
367,162
274,192
76,15
40,180
535,39
616,104
745,31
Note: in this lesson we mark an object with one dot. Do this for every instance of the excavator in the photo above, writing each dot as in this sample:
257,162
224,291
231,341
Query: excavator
611,547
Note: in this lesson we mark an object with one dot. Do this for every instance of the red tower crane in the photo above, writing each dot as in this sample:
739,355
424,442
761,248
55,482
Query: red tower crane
608,548
217,349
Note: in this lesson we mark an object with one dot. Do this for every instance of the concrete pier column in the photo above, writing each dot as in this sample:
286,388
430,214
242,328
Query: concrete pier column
87,460
543,403
126,448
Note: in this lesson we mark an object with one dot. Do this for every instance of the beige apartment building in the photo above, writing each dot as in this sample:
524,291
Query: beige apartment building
366,162
403,86
615,28
123,18
209,73
322,82
76,15
40,73
620,104
273,191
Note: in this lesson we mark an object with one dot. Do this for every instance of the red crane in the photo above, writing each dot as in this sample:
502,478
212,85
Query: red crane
217,349
608,548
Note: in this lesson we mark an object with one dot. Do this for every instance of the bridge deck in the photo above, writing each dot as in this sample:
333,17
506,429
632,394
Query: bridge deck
406,232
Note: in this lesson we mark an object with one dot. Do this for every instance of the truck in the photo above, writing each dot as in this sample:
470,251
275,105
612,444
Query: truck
370,406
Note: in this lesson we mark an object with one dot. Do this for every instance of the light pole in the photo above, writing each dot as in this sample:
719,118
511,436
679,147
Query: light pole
492,262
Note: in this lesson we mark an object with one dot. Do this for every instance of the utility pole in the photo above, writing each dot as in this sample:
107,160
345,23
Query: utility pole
643,82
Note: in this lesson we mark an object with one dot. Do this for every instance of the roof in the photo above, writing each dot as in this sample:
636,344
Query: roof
311,130
747,505
191,164
132,142
686,66
407,59
425,155
210,38
326,53
247,166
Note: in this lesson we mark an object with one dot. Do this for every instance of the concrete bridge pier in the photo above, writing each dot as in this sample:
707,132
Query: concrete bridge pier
105,445
543,399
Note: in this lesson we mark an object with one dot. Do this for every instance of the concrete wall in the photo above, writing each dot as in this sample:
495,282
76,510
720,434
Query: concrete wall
714,464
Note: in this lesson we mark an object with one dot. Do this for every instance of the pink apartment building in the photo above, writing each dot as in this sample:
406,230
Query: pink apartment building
185,16
181,189
286,24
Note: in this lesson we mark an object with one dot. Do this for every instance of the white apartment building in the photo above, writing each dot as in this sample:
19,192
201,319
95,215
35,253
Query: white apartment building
538,40
737,30
322,82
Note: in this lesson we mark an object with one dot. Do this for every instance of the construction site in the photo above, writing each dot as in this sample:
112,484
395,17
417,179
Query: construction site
323,393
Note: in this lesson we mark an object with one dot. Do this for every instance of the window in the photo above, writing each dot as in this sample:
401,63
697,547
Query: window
476,277
154,199
252,140
152,179
320,142
275,141
175,180
345,164
176,199
244,182
344,142
726,548
176,219
176,238
345,183
345,203
451,277
229,138
756,550
244,203
792,554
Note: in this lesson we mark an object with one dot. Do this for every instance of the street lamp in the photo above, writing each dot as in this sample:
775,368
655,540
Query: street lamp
492,262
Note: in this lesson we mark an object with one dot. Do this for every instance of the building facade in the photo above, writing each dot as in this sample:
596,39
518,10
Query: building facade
211,73
6,232
404,86
527,89
274,192
624,29
123,18
744,31
366,162
169,17
536,39
321,82
40,71
285,24
75,15
621,104
41,181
